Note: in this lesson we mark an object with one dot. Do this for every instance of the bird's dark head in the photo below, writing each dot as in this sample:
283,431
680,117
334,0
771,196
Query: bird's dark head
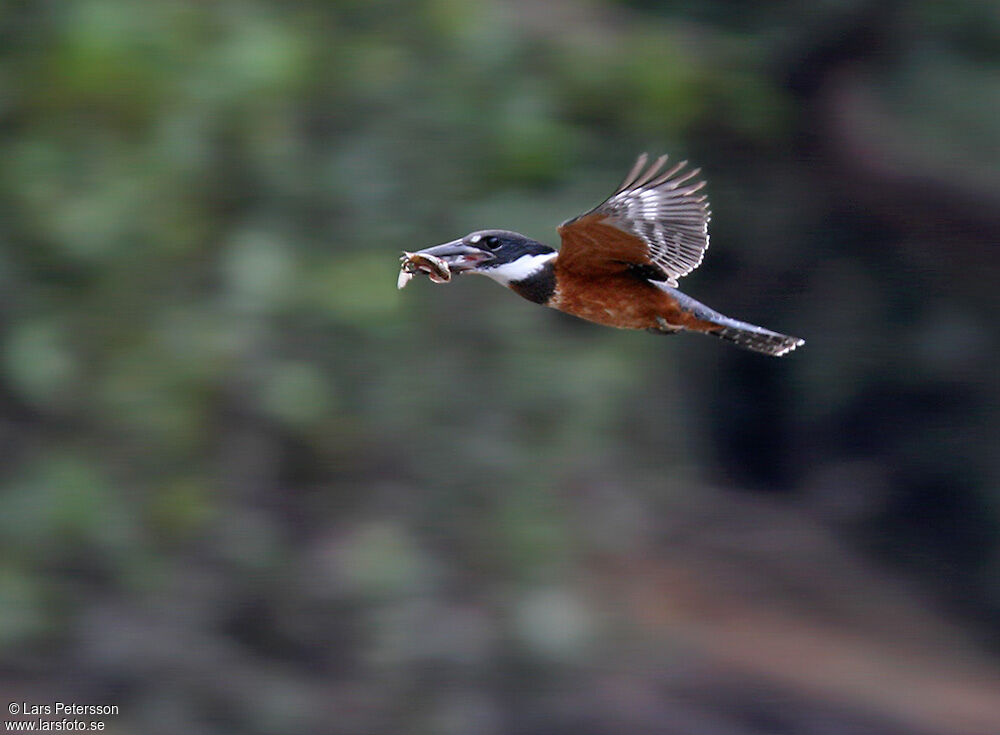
505,256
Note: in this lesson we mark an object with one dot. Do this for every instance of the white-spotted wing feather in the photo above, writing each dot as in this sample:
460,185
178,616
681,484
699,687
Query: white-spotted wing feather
665,212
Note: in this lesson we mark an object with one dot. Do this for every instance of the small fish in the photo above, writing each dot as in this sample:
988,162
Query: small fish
412,263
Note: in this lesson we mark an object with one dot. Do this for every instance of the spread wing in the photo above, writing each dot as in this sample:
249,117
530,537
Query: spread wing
656,221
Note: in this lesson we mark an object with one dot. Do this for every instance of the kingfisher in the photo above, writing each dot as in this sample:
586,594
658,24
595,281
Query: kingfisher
618,264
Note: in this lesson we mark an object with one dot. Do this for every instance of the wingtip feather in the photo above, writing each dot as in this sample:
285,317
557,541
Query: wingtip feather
650,172
637,167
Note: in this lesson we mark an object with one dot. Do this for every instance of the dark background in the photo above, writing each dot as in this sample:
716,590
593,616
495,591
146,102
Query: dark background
248,487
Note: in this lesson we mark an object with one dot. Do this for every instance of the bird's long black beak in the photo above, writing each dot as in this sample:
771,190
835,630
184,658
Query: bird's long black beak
459,256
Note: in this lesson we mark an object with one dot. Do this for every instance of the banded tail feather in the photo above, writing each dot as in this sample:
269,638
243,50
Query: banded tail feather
742,334
758,339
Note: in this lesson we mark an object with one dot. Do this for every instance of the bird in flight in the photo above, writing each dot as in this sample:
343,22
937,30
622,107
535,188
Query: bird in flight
618,264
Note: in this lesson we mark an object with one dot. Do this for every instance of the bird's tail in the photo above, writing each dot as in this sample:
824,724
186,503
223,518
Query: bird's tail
748,336
751,337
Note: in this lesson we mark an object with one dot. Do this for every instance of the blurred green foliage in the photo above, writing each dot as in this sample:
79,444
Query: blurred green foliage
222,426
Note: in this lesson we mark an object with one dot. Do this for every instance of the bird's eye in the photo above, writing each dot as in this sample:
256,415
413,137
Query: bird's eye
492,242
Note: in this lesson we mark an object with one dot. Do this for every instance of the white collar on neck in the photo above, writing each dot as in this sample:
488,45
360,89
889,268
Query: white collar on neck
518,270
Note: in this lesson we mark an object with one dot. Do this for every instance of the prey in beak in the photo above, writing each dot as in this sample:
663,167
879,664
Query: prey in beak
440,262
